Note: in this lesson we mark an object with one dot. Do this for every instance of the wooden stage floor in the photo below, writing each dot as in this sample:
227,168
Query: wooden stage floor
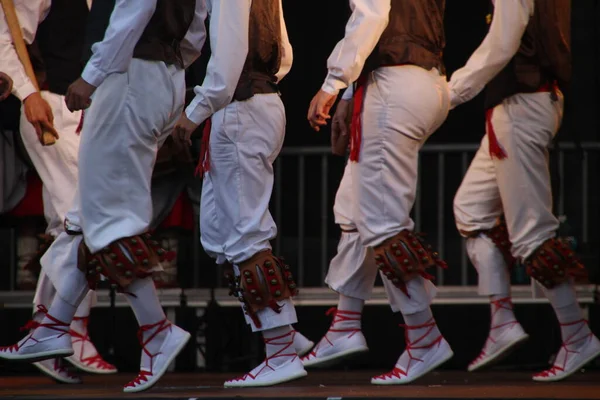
317,385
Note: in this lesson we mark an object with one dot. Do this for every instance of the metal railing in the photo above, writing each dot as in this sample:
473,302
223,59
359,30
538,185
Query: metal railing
451,160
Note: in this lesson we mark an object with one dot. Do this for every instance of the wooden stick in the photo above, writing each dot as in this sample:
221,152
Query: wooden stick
8,6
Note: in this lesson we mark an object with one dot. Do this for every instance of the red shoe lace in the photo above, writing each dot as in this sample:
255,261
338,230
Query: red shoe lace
338,316
278,354
569,341
143,374
503,303
60,368
57,325
398,372
89,361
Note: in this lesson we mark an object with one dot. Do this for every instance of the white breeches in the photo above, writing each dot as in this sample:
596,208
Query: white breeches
57,167
519,185
377,193
131,115
492,271
235,222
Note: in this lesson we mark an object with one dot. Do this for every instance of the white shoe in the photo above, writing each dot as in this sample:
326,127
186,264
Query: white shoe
172,345
438,353
501,346
302,344
267,375
573,359
32,349
56,370
330,351
86,357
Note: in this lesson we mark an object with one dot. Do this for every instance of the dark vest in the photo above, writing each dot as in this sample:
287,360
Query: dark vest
543,57
165,31
98,20
161,37
56,51
264,51
414,35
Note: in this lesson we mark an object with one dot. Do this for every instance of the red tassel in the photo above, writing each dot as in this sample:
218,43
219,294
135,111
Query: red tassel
204,161
356,123
495,149
80,126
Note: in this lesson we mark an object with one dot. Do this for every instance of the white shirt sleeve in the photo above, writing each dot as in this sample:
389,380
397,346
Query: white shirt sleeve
348,93
364,28
229,24
114,53
30,14
192,43
287,57
502,42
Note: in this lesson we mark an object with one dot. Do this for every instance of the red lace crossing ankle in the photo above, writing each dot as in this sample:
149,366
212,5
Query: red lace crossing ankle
414,345
571,340
159,326
338,317
275,341
504,303
92,361
56,325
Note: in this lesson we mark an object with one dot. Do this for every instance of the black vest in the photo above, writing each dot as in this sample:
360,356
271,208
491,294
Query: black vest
543,57
414,35
264,51
98,20
56,51
161,37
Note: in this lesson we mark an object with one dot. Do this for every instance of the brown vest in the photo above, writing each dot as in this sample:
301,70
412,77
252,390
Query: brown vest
264,51
543,57
414,35
167,27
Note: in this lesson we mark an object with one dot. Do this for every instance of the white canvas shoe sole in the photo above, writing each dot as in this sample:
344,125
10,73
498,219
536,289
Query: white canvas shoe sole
586,355
76,362
442,354
45,349
498,355
332,359
54,374
171,347
285,373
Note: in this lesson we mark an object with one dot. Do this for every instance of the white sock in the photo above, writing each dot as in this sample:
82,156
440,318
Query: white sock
503,316
419,324
570,316
421,333
301,342
59,310
353,304
141,296
279,344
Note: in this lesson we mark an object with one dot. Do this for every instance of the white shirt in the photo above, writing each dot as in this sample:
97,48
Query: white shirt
500,45
127,23
30,13
364,28
229,25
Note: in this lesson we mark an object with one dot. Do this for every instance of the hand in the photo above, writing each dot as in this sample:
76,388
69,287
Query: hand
340,127
5,86
183,130
78,95
318,112
39,114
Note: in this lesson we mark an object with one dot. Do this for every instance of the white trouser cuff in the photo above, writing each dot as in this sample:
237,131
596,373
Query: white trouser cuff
352,271
493,274
421,293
